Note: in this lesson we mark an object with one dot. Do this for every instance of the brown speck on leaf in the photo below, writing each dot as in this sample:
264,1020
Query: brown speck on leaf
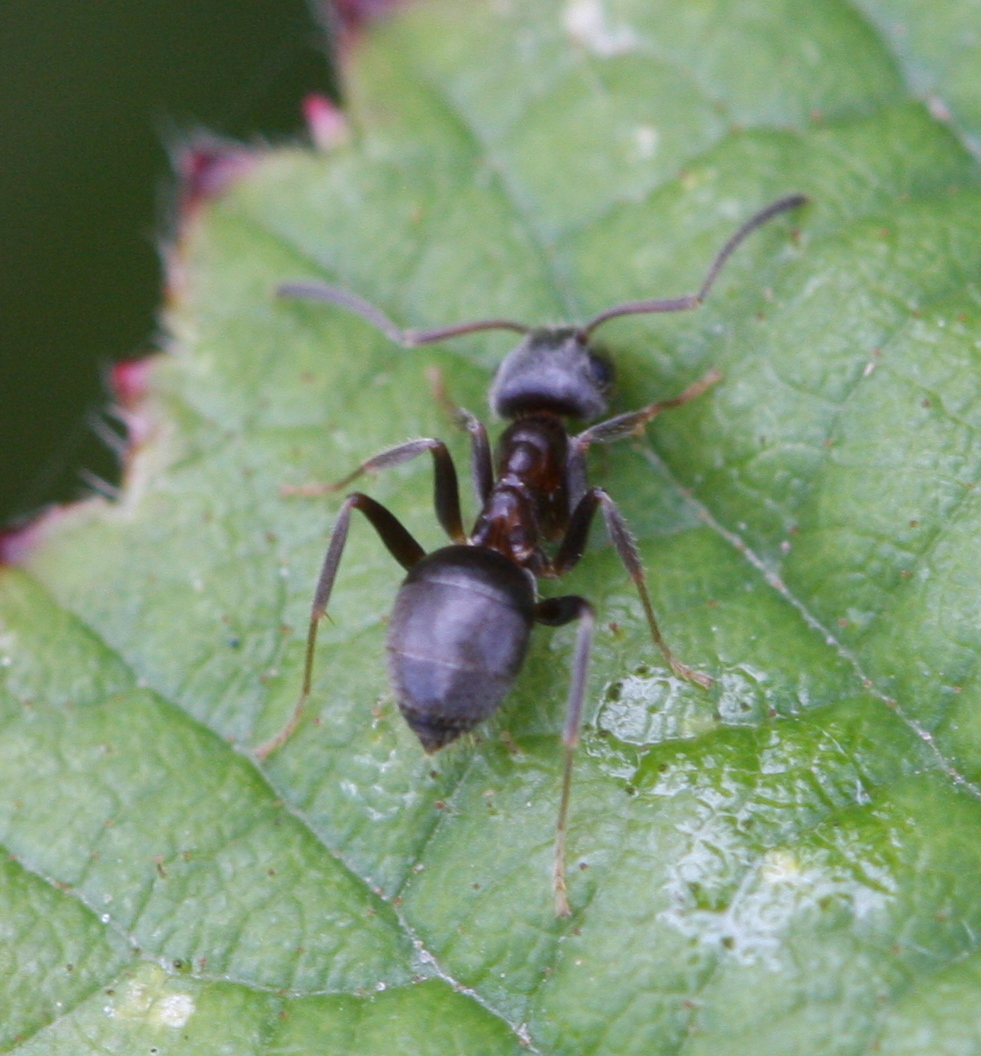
509,743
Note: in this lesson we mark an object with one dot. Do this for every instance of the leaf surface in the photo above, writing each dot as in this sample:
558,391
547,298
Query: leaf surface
786,864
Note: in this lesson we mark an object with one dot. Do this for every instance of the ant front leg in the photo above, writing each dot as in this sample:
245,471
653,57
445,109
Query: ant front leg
631,423
481,463
556,612
622,426
574,544
400,544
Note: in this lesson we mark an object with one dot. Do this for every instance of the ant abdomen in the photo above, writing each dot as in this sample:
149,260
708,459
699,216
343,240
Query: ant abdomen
457,638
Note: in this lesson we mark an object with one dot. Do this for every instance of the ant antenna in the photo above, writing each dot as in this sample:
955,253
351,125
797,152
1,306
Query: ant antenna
693,300
322,291
337,295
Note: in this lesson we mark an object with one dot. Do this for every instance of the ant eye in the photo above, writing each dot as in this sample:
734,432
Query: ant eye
601,370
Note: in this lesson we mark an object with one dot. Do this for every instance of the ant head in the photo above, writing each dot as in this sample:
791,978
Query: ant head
552,370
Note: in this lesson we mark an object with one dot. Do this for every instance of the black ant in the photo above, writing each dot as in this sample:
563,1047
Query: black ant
463,616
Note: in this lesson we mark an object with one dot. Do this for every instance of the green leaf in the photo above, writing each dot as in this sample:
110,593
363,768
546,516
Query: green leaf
784,865
938,49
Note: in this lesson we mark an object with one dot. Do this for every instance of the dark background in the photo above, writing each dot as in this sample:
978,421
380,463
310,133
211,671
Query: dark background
93,96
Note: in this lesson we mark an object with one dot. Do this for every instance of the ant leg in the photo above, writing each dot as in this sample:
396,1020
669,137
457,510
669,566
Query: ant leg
693,300
623,425
631,423
555,612
446,494
627,549
481,464
400,544
574,544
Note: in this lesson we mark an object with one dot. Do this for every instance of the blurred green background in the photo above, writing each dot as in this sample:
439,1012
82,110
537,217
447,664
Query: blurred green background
93,95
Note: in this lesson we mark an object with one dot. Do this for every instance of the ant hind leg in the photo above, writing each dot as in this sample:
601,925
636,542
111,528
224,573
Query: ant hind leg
555,612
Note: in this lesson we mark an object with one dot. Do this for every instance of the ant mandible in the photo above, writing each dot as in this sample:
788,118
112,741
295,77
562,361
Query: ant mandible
463,616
